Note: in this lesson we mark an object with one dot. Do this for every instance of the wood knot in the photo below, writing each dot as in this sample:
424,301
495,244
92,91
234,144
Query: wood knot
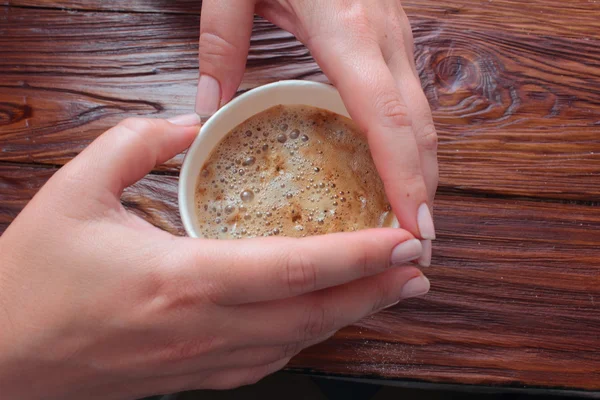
454,72
469,85
11,113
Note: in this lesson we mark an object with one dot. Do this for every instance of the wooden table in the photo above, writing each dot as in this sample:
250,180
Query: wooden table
515,89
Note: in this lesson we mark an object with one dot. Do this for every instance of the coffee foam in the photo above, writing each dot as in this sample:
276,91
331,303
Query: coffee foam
291,171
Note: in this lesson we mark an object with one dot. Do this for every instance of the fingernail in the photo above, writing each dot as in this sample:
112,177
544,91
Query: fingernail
425,259
415,287
186,120
208,97
407,251
425,222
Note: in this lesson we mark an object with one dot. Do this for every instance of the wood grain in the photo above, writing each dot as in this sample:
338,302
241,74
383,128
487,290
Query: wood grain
537,16
515,294
515,89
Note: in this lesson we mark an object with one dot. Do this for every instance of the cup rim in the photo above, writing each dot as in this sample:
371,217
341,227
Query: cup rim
246,105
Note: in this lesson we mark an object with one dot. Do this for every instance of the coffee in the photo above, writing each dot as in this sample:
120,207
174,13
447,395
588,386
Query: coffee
290,171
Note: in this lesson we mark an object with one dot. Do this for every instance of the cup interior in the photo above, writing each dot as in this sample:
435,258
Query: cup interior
234,113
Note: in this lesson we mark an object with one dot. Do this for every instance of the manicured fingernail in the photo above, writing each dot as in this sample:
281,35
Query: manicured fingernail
425,222
186,120
425,259
407,251
208,97
415,287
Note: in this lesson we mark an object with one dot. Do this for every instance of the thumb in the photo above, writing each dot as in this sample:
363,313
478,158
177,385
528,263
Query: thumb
126,153
225,29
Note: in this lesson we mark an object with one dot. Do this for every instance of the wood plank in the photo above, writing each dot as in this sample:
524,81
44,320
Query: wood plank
535,16
517,112
138,6
515,293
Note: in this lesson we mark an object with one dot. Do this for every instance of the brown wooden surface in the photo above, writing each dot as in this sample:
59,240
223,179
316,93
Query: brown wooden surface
515,90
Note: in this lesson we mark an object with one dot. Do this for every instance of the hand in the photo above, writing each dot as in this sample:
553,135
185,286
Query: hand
365,48
97,303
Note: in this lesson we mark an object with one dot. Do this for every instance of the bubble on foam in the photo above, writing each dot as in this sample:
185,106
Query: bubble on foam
247,196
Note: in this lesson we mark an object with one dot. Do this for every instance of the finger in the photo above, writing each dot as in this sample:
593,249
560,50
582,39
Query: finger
303,318
225,29
397,48
273,268
425,259
126,153
357,68
401,66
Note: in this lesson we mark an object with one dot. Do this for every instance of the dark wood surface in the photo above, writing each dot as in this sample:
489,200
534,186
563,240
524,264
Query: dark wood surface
515,90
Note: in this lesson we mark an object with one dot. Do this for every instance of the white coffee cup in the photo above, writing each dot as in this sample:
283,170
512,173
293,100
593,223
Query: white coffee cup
234,113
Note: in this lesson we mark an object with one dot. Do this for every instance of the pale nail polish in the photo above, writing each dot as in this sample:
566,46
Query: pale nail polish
208,97
186,120
425,222
417,286
406,251
425,259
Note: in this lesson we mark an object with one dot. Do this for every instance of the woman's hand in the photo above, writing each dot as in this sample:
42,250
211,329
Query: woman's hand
365,48
97,303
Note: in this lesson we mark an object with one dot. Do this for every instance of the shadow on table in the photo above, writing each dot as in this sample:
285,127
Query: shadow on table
300,387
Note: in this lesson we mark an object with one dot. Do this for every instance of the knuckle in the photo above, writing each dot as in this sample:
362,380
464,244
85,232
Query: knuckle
300,273
188,349
357,16
410,182
364,262
394,112
138,125
427,138
319,321
170,290
289,350
214,47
